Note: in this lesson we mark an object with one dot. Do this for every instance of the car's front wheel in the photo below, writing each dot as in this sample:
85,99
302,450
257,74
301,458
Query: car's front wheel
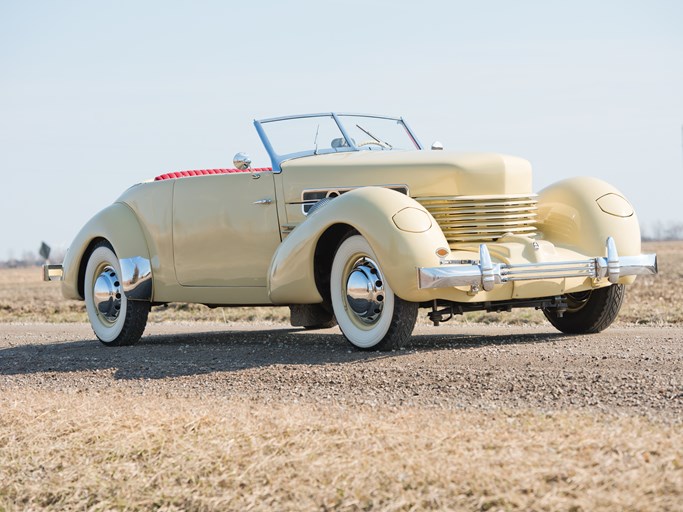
590,311
368,312
114,319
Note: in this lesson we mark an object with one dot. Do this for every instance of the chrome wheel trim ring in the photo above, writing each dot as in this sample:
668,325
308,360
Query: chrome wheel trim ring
363,292
107,294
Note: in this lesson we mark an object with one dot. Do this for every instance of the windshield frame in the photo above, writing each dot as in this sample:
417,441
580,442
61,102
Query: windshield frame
277,159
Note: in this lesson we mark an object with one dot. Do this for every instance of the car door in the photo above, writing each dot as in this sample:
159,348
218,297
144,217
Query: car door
225,229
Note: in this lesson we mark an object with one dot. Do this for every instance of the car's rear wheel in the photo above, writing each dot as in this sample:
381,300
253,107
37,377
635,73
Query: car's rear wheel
590,311
115,319
368,312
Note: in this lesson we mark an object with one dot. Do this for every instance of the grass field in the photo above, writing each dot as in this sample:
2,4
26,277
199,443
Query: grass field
92,452
82,448
651,300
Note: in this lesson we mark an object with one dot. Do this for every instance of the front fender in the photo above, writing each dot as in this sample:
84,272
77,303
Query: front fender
580,213
119,225
376,213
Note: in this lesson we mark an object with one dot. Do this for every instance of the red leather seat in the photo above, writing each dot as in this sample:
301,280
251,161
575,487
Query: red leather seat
204,172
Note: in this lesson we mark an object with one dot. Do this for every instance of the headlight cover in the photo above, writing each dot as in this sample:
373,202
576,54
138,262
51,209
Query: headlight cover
614,204
412,220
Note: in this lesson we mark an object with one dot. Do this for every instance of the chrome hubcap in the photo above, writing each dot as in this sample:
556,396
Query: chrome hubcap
107,294
365,291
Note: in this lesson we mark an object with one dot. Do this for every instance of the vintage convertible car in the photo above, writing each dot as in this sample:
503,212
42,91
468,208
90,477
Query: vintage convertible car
355,222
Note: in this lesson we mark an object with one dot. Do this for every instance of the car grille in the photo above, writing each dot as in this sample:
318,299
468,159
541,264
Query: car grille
483,218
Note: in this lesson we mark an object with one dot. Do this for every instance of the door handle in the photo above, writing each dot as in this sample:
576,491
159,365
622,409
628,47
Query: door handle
264,201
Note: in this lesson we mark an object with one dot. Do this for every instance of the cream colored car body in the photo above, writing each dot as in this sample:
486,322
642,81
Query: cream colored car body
356,224
235,239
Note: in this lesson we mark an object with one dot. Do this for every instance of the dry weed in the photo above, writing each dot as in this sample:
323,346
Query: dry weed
85,451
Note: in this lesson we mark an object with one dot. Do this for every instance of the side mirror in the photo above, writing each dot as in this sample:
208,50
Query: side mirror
437,146
241,161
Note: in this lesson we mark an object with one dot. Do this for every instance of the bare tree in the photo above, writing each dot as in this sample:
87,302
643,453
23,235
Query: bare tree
659,231
674,231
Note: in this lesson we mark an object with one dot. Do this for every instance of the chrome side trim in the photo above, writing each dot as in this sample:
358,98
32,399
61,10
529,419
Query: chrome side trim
53,272
331,192
486,274
136,274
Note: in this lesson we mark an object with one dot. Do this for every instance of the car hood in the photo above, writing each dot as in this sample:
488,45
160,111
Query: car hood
427,173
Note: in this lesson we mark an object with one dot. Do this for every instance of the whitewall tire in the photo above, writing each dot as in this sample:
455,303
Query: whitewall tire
114,319
368,312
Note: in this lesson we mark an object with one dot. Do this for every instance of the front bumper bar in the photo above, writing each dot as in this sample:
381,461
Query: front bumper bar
53,272
486,274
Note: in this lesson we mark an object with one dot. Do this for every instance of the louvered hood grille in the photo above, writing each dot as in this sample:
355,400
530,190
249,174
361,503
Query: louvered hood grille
483,218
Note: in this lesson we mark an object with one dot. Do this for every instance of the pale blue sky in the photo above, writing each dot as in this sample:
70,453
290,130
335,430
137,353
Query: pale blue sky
96,96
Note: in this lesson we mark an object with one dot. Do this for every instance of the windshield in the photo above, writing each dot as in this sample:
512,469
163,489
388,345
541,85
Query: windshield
376,133
297,136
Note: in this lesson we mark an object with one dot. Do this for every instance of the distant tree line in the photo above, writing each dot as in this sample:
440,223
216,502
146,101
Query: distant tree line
662,231
31,259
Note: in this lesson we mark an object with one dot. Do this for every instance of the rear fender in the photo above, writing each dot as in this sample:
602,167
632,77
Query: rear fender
118,225
402,234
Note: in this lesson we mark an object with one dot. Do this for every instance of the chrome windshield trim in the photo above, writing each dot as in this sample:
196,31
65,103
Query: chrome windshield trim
412,134
136,274
486,275
347,137
328,114
277,159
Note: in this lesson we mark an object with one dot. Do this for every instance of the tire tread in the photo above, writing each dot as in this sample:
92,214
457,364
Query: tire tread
134,324
595,316
401,328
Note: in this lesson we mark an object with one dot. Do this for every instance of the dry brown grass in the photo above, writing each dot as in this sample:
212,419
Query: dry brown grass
658,299
24,297
652,300
85,451
132,449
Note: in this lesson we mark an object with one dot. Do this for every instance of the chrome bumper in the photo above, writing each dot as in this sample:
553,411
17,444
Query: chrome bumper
485,274
53,272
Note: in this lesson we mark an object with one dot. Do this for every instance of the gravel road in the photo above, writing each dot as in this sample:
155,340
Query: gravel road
625,370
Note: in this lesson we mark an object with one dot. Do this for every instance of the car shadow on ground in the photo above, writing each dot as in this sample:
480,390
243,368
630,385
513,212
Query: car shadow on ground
176,355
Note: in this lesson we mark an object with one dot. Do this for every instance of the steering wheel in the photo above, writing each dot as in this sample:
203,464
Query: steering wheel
383,145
